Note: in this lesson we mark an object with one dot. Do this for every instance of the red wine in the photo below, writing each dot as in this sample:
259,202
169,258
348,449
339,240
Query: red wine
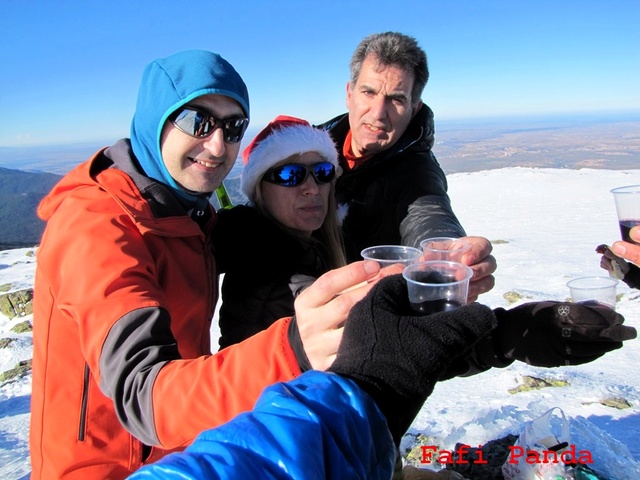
432,277
434,306
625,228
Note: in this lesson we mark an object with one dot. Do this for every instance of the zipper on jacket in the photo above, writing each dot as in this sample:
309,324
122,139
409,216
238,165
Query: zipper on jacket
413,141
83,404
199,210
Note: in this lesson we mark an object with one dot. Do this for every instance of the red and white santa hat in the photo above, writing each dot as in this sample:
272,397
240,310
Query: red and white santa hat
283,137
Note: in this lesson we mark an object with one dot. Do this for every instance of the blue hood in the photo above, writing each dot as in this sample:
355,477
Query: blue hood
167,84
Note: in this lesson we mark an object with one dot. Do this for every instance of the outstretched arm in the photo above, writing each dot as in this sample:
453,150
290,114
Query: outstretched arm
621,251
318,426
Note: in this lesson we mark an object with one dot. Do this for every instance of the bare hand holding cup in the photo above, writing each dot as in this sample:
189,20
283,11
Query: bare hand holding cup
322,309
629,251
482,263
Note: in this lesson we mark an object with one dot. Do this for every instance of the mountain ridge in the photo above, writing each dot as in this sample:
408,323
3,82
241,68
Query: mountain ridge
20,194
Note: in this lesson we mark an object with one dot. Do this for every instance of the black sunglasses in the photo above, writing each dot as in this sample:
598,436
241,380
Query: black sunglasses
294,174
199,124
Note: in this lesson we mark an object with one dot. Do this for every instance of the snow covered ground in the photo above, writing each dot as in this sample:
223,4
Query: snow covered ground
545,225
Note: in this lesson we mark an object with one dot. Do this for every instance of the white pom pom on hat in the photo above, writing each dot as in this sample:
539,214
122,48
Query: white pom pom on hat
280,139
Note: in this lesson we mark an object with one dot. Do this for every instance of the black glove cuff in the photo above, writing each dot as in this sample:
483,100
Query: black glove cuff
399,411
489,349
293,334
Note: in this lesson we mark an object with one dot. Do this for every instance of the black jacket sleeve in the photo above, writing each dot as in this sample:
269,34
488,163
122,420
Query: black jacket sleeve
425,203
632,278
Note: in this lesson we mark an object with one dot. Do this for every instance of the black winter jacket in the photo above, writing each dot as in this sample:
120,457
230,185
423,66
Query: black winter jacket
398,196
264,270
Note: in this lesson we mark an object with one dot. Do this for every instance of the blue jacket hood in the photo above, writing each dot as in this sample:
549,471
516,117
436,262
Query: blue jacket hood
169,83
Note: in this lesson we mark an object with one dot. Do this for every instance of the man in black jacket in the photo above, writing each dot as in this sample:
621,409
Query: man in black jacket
393,191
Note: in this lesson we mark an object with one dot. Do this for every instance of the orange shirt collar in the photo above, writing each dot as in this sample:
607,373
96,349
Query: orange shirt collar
353,161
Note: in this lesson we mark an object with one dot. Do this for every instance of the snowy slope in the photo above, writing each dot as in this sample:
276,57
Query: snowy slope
545,224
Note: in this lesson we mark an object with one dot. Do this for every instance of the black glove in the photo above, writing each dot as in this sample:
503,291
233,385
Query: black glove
397,356
551,334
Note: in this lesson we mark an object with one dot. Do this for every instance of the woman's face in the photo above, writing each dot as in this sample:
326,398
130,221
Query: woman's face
302,208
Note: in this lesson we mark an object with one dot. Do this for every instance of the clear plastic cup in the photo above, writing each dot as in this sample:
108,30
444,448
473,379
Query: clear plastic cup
437,285
387,255
594,289
627,201
444,248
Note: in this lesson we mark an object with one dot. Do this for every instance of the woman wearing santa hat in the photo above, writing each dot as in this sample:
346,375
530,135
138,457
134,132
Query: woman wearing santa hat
286,236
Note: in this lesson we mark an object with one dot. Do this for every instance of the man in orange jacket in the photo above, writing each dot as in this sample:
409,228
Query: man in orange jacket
126,286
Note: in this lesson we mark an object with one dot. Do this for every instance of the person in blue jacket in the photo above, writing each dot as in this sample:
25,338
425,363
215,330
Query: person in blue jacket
347,423
317,426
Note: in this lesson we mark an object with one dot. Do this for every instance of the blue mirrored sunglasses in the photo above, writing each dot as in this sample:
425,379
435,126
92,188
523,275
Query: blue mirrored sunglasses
294,174
199,124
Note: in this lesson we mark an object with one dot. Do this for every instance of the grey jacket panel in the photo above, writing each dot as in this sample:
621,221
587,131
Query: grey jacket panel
137,347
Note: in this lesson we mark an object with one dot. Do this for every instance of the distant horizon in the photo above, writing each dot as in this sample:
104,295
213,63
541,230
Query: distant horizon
605,116
461,145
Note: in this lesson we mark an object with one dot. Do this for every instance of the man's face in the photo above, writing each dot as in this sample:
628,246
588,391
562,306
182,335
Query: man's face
379,106
200,164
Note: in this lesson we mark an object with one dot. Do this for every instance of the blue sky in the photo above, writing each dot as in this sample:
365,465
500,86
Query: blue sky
69,70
